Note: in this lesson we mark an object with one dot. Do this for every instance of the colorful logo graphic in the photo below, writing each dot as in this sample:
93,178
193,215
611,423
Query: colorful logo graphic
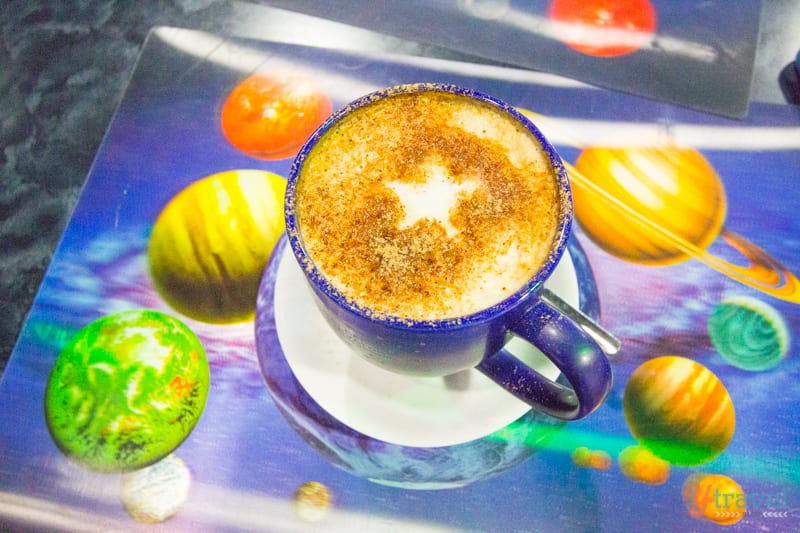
714,497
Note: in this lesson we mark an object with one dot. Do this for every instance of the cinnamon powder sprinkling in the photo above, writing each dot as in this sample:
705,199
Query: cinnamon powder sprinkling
350,219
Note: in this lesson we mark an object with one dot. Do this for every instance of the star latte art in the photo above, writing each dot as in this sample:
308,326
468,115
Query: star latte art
433,198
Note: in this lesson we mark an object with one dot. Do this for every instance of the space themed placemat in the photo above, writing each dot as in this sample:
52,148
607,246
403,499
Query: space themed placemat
143,392
696,54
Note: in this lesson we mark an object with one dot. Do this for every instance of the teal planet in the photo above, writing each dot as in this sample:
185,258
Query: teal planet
126,390
748,333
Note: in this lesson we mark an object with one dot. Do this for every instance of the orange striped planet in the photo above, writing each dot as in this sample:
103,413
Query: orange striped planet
660,205
211,243
679,410
675,188
663,204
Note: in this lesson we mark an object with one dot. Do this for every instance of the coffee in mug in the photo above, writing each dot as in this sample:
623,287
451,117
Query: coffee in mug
427,219
427,205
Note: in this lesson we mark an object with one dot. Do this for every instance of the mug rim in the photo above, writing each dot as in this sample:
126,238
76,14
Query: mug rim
532,286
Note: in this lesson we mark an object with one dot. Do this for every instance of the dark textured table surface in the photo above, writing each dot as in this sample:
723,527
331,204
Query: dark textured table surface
64,68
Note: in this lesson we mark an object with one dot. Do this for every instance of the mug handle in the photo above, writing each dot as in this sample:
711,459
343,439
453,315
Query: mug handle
570,349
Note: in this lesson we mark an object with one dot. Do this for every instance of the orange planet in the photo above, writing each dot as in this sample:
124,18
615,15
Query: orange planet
674,188
604,28
586,458
270,115
679,410
663,205
639,464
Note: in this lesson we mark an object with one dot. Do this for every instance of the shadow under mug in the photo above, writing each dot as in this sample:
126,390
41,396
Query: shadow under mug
446,346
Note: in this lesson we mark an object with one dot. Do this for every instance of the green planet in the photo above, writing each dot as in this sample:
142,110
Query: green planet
126,390
748,333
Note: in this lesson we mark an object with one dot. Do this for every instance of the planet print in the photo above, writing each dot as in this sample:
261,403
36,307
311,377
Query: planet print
311,501
630,201
679,410
586,458
748,333
662,205
675,188
639,464
603,28
211,242
126,390
270,115
155,493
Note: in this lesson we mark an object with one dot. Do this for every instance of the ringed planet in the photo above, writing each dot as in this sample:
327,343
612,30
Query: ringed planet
662,205
635,202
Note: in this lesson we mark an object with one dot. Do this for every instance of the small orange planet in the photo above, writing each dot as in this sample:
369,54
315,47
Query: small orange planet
211,243
604,28
639,464
679,410
663,205
714,497
586,458
311,501
270,115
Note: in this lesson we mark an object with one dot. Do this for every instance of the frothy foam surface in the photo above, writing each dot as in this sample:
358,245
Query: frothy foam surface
427,205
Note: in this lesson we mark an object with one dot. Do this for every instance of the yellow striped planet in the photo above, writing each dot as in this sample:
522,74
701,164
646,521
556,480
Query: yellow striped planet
311,501
210,244
679,410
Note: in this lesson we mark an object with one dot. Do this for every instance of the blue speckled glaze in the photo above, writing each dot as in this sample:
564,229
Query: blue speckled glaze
441,347
392,464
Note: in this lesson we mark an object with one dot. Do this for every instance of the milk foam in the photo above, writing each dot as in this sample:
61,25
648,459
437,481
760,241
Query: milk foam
427,206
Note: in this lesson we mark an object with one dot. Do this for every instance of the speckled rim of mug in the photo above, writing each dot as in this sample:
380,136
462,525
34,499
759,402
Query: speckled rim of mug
533,285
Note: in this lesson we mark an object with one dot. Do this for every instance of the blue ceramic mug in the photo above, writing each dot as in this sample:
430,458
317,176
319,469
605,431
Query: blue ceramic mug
441,347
